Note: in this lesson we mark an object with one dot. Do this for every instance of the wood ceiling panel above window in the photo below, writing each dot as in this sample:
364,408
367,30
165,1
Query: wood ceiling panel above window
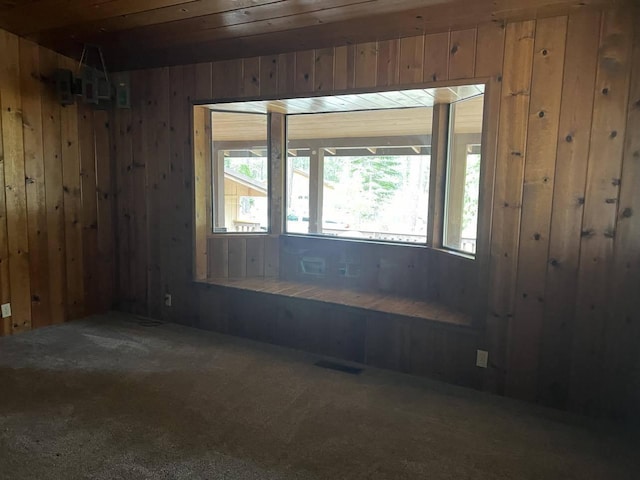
161,32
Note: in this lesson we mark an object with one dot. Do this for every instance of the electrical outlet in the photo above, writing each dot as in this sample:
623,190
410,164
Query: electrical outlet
482,358
167,299
6,310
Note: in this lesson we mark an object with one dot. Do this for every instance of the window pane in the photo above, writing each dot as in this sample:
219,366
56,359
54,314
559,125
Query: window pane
463,175
298,192
368,174
380,197
240,172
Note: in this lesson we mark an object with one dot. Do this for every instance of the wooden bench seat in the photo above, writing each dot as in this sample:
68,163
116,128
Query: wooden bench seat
391,304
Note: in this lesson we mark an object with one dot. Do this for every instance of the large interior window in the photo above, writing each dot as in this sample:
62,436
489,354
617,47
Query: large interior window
362,174
391,166
240,172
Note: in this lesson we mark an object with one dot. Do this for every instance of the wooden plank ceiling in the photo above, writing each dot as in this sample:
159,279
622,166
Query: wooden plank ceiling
384,120
143,33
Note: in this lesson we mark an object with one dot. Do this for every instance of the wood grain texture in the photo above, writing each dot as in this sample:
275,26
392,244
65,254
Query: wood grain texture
218,257
72,200
5,283
489,63
255,255
537,197
138,195
437,175
600,208
123,153
251,77
462,54
14,184
106,279
157,150
411,59
620,390
323,77
512,136
574,135
534,193
30,89
436,57
388,72
155,33
204,80
89,213
237,257
46,271
269,75
278,155
366,66
305,71
226,80
489,50
201,145
286,72
178,234
52,146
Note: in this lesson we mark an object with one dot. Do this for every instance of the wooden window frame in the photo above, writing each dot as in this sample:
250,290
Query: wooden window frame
277,148
216,179
441,137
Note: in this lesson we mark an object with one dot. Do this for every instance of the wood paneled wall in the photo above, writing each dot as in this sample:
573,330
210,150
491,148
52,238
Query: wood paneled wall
56,218
562,317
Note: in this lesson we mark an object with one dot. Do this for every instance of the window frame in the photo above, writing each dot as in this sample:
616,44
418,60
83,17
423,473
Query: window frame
316,178
217,176
441,137
472,140
277,146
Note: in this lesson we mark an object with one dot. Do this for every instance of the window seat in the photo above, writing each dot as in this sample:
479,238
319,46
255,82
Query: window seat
390,304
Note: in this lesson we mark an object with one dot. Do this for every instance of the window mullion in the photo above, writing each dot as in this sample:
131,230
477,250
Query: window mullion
316,182
277,159
218,188
437,181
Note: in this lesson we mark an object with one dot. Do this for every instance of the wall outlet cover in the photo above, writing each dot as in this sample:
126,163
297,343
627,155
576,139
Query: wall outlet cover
167,299
6,310
315,266
482,358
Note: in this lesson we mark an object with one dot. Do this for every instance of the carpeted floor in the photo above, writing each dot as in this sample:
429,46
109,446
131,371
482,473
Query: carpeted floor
111,397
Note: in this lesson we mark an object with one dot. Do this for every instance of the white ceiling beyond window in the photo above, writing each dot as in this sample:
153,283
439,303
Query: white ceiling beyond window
426,97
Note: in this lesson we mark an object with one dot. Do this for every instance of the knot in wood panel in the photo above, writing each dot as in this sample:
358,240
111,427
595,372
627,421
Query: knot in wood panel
627,213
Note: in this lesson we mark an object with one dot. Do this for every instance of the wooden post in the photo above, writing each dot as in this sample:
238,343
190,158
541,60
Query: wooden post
218,188
202,157
316,189
456,173
437,174
277,155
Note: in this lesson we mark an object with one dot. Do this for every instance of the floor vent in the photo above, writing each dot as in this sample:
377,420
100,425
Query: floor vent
340,367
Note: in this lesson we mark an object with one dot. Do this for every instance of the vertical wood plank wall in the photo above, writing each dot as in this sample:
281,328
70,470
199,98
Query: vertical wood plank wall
56,219
96,207
561,292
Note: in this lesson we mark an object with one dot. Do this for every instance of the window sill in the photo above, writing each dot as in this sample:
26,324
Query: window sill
328,238
389,304
238,234
331,238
